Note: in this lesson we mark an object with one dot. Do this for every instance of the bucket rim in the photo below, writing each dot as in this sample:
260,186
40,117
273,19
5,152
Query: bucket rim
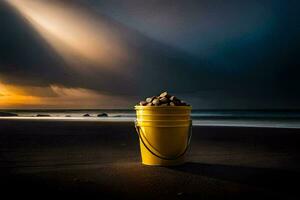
165,126
160,123
163,114
163,107
171,121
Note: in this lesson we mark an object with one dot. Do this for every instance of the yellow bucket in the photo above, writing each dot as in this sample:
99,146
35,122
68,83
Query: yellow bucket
164,134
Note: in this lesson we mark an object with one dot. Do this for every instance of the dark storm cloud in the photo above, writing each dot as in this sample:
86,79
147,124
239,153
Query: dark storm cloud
244,51
248,38
27,59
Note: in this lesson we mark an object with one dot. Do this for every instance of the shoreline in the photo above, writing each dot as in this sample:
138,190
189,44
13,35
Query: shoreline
258,123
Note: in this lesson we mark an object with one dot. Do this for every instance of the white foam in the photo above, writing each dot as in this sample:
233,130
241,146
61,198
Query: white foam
248,123
216,122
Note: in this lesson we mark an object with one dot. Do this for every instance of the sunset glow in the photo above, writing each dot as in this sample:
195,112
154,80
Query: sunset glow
14,97
54,97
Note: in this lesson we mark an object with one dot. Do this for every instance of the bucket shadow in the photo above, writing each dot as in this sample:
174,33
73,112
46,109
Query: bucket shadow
262,177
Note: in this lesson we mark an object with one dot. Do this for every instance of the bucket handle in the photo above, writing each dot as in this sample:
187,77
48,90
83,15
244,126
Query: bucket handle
140,134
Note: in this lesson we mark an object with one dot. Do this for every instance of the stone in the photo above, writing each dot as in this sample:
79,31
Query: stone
102,115
182,103
156,102
43,115
173,98
143,103
150,99
164,94
164,100
177,102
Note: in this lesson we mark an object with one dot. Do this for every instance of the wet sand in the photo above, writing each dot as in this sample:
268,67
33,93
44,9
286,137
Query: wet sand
52,159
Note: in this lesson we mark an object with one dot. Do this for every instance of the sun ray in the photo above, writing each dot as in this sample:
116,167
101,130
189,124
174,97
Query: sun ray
73,33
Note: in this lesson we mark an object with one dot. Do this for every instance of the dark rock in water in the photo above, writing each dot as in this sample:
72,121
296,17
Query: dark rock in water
68,116
43,115
86,115
102,115
5,114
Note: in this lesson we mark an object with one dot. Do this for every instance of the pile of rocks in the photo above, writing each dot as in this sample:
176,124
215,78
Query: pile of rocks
164,99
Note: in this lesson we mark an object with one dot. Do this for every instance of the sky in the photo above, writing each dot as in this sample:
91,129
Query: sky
112,54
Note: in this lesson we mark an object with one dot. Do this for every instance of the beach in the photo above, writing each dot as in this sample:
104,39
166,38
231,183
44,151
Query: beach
77,158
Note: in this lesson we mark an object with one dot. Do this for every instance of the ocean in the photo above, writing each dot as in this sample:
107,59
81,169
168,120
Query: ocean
242,118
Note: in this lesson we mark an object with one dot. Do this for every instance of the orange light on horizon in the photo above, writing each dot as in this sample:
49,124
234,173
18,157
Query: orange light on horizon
12,96
55,96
